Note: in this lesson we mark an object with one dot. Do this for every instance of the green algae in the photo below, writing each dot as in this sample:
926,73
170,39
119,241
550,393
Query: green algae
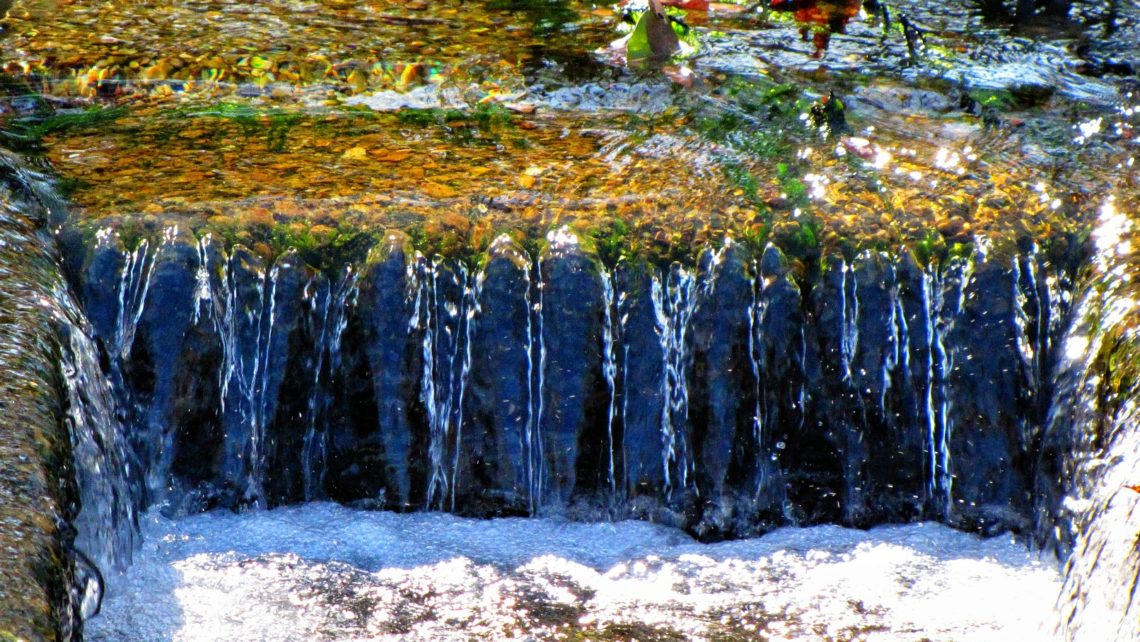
28,132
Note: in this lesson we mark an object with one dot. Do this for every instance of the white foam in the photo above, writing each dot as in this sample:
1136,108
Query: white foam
322,571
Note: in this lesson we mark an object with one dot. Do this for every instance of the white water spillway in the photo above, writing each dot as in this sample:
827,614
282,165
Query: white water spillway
322,571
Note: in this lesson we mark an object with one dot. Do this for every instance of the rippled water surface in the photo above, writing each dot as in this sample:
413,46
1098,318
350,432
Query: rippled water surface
309,122
322,571
460,120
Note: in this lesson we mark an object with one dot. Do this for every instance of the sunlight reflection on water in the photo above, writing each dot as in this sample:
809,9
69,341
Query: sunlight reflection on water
325,571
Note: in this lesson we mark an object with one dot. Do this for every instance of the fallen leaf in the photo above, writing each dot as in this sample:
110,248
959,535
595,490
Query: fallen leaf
355,154
653,36
438,190
393,156
682,75
520,108
455,220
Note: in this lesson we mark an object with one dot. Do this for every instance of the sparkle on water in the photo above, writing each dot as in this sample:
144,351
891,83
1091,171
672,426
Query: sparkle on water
293,141
265,115
323,571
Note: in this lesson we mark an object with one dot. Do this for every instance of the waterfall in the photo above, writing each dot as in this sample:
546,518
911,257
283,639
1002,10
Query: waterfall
535,368
881,391
609,371
133,289
328,307
469,310
727,398
107,523
442,300
673,303
1088,507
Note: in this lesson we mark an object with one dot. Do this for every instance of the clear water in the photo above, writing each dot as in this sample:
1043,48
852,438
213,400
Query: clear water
323,571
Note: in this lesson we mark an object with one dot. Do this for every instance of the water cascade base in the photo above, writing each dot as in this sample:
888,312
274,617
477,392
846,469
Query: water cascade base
322,571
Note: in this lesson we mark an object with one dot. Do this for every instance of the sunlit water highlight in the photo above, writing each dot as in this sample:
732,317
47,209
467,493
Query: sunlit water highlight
322,571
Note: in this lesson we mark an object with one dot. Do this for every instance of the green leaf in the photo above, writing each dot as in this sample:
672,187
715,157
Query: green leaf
638,44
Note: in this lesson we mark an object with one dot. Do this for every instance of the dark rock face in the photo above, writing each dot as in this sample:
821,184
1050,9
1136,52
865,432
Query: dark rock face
728,400
380,456
831,433
722,392
496,463
104,273
641,373
291,374
780,348
576,441
887,406
167,367
990,427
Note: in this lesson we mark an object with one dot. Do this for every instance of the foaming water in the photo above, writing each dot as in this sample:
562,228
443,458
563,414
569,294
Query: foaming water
322,571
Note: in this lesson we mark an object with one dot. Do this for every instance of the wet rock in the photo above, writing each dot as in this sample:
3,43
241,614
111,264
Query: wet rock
443,305
379,454
834,410
172,368
723,384
1044,309
637,97
641,366
576,438
1090,461
101,283
729,402
334,391
40,591
880,373
238,311
874,357
989,386
677,305
872,100
289,379
915,387
496,462
785,450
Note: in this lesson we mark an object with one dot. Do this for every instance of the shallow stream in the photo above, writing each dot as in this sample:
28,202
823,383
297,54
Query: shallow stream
841,243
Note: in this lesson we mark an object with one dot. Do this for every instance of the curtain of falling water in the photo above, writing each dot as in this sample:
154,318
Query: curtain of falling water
847,399
1087,500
